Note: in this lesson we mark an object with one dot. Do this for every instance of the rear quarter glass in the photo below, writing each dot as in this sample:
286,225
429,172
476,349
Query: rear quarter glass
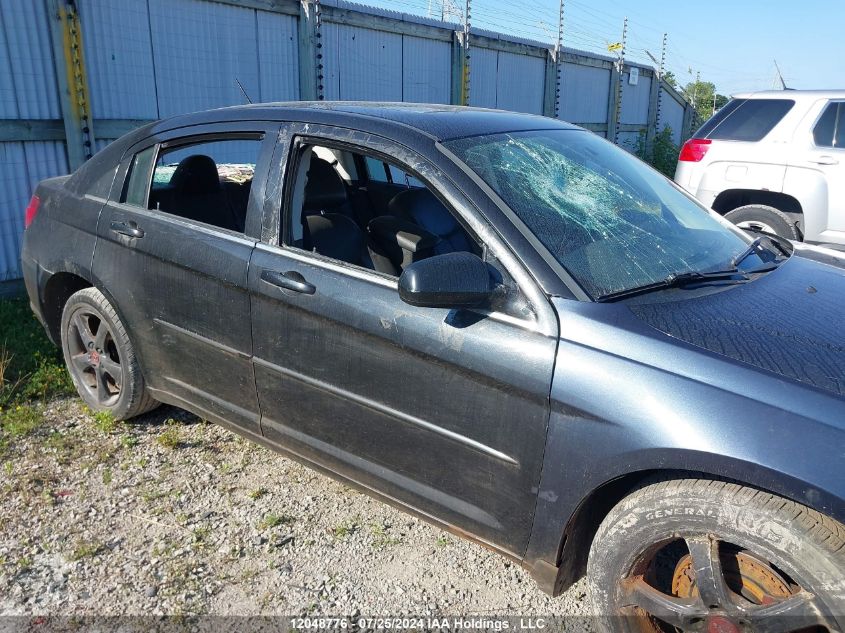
750,120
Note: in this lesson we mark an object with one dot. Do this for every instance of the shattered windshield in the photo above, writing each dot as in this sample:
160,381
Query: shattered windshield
612,222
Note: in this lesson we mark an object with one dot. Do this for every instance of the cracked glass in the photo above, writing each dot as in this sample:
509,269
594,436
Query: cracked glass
610,220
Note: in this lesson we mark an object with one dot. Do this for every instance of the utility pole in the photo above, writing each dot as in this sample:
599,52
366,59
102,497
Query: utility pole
558,59
694,118
695,90
620,71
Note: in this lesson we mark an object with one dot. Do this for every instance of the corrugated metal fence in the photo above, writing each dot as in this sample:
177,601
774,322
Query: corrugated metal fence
142,60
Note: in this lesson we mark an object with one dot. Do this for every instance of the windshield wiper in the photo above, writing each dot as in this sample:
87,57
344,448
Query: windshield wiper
750,250
679,280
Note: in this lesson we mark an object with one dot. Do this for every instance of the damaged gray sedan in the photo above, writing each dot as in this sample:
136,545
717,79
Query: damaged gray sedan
498,322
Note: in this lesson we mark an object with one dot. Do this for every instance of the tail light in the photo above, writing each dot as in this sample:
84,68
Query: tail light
31,211
694,150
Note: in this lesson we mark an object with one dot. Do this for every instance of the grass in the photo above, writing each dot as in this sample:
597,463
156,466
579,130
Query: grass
85,550
273,520
344,529
105,422
201,535
258,493
20,419
170,436
31,370
31,367
381,538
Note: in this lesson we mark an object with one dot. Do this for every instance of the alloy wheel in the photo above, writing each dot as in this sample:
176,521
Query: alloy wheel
94,358
700,583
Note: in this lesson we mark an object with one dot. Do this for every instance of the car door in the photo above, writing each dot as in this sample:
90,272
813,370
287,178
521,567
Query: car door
820,161
178,272
443,411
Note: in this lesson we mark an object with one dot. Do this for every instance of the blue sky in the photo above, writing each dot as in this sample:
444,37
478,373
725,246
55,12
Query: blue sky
733,43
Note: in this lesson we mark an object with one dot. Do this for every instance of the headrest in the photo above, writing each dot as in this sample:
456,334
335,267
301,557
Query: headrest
196,174
324,188
422,207
336,236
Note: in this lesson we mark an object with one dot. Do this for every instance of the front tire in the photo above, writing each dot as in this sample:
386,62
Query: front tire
766,219
701,555
100,357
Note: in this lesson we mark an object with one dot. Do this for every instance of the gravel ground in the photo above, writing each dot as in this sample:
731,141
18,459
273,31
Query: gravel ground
172,515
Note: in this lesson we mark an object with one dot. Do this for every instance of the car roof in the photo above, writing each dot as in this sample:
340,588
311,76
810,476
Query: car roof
439,122
797,95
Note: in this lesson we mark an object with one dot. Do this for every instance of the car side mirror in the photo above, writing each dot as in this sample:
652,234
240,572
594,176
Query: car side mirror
451,280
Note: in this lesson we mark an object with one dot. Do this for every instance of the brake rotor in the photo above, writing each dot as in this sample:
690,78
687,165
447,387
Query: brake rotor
745,575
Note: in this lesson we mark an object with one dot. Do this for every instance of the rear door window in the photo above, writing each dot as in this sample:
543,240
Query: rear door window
839,133
748,120
717,118
208,182
385,172
135,190
825,128
829,130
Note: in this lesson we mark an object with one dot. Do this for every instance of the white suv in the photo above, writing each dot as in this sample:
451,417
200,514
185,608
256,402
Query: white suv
774,161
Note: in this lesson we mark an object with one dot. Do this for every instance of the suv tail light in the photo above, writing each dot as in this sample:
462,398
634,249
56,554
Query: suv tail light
694,150
31,211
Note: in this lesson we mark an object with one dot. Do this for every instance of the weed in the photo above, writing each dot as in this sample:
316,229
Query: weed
273,520
201,535
19,420
8,468
59,442
105,422
5,361
380,536
149,496
24,564
128,441
660,152
170,437
107,476
31,367
85,549
345,529
258,493
442,541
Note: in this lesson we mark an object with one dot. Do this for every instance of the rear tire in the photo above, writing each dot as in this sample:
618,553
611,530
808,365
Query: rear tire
762,218
100,357
715,556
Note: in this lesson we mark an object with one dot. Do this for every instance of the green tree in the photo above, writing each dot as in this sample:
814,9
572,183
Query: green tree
669,78
705,98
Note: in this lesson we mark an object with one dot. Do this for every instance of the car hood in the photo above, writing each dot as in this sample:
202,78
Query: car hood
790,322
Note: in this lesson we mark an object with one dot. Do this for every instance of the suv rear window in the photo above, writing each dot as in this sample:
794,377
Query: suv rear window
745,119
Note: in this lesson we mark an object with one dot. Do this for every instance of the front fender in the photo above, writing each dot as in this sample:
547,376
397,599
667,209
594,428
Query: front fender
628,399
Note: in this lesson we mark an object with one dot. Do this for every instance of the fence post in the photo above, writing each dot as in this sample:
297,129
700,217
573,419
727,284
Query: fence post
460,63
686,128
550,86
308,51
69,64
613,103
653,108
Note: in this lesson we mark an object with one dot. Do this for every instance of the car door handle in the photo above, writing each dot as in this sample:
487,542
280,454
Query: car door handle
824,160
290,280
127,228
